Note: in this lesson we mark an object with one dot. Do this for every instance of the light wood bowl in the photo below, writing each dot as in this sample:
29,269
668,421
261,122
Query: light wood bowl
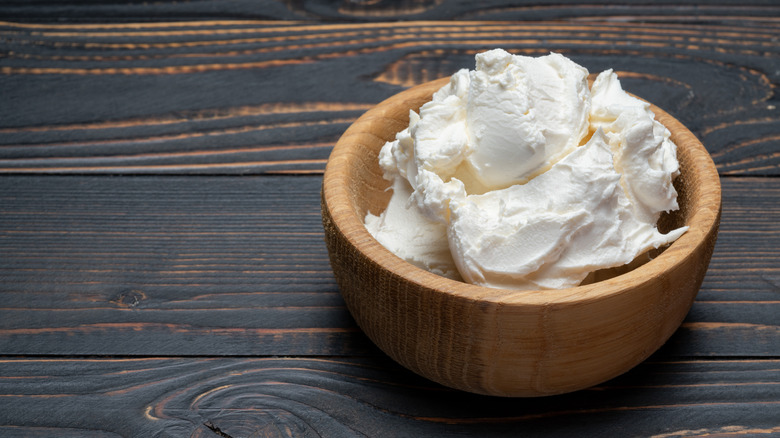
497,341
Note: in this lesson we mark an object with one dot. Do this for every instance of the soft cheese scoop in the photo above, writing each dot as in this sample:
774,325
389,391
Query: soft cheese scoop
522,115
496,163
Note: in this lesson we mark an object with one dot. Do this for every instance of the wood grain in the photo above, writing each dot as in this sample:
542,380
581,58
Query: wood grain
684,11
238,97
210,265
202,397
214,271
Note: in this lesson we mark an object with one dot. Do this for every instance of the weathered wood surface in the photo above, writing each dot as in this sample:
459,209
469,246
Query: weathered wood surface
192,305
237,266
268,97
686,11
326,397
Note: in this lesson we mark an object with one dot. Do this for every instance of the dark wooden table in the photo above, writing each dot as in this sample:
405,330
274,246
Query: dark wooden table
162,265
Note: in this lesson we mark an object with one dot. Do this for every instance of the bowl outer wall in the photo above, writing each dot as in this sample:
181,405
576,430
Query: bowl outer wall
497,341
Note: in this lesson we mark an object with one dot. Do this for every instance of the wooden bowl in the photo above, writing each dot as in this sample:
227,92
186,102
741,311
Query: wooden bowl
497,341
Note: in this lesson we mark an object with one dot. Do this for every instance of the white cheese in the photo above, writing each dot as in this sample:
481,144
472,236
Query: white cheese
492,182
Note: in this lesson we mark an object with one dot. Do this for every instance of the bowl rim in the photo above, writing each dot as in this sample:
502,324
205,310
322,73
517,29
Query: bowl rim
335,196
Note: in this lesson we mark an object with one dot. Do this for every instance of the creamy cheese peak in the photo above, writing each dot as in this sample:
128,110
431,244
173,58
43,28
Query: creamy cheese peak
522,115
495,183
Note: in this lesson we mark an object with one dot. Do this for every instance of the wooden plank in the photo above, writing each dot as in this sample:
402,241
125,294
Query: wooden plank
744,262
237,266
238,97
370,397
106,11
208,266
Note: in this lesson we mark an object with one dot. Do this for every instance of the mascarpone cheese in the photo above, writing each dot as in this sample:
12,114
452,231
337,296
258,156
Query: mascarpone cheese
517,175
